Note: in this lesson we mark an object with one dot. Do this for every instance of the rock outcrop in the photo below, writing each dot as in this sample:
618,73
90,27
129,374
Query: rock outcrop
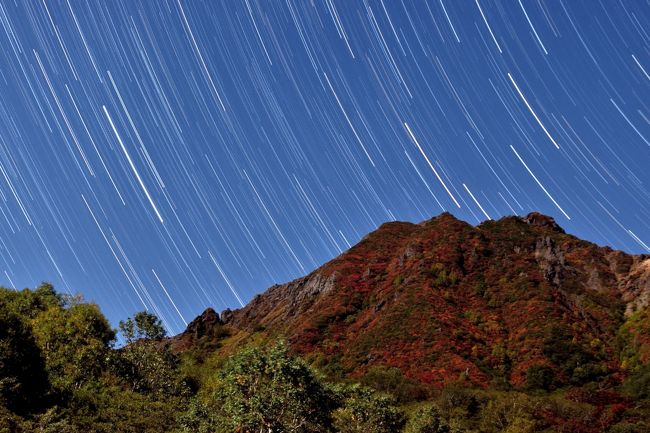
443,300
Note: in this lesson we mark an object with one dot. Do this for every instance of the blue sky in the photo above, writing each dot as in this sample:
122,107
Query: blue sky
175,155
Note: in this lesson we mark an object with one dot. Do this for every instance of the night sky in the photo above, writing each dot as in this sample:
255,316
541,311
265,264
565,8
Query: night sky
175,155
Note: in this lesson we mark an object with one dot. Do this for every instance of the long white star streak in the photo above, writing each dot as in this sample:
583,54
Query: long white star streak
426,184
628,231
225,278
639,241
110,247
415,140
339,26
523,98
539,183
477,203
629,122
449,21
213,88
133,168
345,114
533,28
13,286
488,27
92,141
640,67
152,166
168,297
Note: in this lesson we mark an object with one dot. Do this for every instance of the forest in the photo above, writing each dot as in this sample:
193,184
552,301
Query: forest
64,369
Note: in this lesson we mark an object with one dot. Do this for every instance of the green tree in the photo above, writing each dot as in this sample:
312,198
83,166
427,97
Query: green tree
23,380
145,362
540,377
9,421
199,418
366,411
510,414
75,342
73,337
637,385
268,390
27,304
391,380
143,325
150,367
427,420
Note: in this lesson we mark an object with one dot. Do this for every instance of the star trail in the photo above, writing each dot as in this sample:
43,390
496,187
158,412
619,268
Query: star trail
172,155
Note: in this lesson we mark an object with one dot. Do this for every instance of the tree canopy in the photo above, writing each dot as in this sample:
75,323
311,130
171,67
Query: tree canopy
62,372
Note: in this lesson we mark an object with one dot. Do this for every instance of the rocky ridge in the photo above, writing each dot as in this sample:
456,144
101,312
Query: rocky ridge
445,301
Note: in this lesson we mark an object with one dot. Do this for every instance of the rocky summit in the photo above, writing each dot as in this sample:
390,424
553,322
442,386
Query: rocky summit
503,303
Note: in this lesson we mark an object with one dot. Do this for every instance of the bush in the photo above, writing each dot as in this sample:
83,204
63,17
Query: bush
75,342
268,390
23,380
199,418
365,411
510,414
463,402
9,422
624,427
427,420
391,380
637,385
540,377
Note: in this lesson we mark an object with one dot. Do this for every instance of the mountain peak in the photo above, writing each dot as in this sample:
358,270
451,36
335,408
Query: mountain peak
201,325
441,217
541,220
444,299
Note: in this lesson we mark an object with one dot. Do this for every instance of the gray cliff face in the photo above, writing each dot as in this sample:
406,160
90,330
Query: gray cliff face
282,301
629,274
635,286
550,259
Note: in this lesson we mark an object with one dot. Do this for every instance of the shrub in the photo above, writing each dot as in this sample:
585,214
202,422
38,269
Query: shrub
391,380
510,414
427,420
365,411
540,377
23,379
268,390
637,385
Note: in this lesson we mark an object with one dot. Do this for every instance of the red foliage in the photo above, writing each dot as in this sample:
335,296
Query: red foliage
445,302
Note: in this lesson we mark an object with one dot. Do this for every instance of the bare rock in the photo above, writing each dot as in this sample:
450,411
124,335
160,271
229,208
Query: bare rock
541,220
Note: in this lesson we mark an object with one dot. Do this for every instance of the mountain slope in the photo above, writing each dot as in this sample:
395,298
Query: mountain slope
513,300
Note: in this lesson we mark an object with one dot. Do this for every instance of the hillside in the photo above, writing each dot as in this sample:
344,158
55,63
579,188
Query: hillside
444,301
512,326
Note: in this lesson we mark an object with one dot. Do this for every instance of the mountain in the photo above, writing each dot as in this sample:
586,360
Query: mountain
509,326
514,302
